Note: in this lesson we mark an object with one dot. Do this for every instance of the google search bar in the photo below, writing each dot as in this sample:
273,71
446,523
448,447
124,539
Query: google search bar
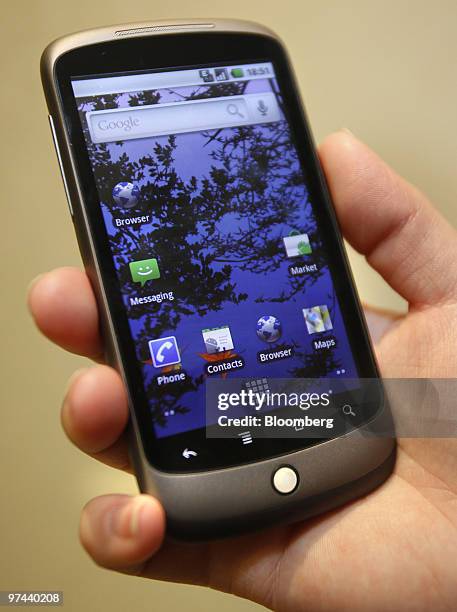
181,117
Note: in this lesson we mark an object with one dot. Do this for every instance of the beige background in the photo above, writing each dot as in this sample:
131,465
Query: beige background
386,69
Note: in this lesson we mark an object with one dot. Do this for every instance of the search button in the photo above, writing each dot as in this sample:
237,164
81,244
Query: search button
347,410
233,109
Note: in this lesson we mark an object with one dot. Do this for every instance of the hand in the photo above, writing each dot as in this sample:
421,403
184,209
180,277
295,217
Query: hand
393,550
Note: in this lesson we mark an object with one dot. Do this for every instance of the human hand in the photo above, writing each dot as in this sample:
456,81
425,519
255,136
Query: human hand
393,550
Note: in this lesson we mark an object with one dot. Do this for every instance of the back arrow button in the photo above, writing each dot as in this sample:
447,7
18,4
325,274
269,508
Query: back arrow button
187,454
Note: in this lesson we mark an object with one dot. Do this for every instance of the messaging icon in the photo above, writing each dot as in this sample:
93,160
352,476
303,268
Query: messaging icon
144,270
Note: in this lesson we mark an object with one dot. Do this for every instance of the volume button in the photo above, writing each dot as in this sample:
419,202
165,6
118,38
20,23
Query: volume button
59,158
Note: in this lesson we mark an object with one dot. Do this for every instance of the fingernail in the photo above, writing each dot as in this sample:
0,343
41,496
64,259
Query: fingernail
73,377
34,281
126,522
348,131
28,292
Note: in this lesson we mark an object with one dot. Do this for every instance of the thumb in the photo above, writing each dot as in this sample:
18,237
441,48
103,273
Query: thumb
122,532
390,222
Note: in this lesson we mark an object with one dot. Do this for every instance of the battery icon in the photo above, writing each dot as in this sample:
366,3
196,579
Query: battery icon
237,73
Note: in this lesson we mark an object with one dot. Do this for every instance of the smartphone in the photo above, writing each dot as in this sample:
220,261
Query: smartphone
208,234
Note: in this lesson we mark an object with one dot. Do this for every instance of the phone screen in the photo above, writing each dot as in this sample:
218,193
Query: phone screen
213,233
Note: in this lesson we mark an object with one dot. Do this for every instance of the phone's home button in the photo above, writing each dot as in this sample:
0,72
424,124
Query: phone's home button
285,480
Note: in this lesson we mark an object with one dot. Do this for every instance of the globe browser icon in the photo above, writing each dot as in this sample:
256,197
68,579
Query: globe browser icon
126,194
269,328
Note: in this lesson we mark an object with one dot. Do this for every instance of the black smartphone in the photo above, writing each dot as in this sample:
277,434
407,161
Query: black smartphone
207,231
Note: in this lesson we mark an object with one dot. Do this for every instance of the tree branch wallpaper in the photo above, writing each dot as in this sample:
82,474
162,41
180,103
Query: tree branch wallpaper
213,208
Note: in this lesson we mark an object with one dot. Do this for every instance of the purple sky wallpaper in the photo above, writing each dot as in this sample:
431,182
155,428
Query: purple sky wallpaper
217,204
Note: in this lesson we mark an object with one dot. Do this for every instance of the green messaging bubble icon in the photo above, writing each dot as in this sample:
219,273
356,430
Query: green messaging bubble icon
144,270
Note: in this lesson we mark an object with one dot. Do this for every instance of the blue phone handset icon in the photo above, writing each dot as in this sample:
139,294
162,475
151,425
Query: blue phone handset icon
166,346
164,352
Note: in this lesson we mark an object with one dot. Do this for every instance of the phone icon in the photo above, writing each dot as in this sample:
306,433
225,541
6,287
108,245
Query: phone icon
164,352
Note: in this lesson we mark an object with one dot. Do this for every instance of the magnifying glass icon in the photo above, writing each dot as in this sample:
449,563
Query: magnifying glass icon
233,109
347,410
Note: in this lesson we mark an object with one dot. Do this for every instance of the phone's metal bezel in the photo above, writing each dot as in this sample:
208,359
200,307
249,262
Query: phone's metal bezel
217,502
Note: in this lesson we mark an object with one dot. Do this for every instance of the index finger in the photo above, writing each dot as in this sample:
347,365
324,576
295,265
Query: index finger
63,306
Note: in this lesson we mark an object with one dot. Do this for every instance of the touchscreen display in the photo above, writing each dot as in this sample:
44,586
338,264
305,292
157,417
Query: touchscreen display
213,234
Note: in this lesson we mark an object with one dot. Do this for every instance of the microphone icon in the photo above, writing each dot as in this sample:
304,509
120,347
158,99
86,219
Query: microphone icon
262,108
